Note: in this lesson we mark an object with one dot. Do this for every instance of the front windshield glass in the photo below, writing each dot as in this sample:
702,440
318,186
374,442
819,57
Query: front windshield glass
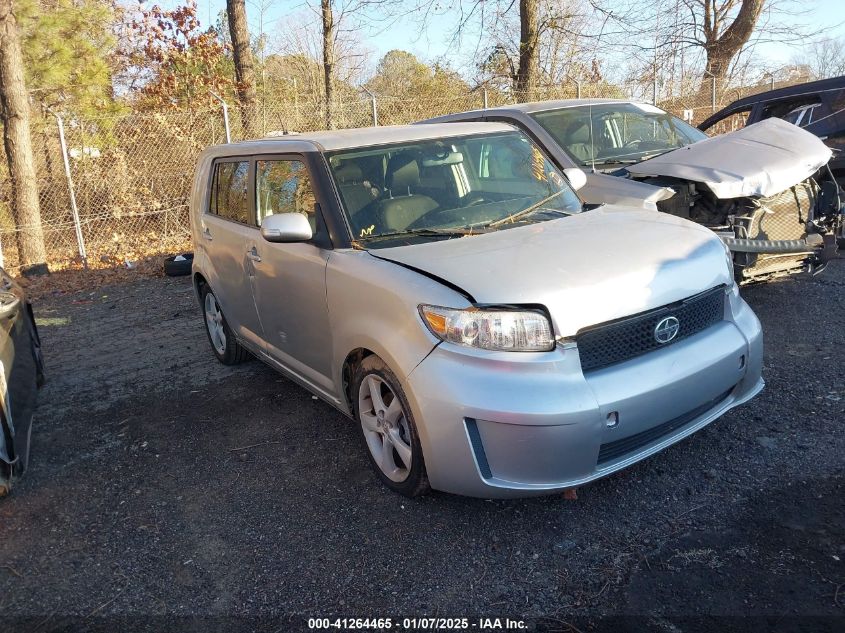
448,187
614,133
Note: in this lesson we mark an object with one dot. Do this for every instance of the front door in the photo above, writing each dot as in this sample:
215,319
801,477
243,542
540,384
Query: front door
228,229
290,279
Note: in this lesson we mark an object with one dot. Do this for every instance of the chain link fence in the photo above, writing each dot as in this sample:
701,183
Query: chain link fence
124,195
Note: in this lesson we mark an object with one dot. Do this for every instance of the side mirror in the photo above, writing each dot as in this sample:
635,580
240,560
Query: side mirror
286,227
576,177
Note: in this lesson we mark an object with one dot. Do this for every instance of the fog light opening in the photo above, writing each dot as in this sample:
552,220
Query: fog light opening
612,419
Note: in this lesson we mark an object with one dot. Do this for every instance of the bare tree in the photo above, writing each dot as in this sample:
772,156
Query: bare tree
825,57
329,35
725,34
244,67
14,105
529,41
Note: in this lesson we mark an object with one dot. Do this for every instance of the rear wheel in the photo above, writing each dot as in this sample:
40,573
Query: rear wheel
388,428
223,342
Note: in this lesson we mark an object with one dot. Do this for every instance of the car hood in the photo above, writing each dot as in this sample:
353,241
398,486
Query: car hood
602,188
585,269
759,160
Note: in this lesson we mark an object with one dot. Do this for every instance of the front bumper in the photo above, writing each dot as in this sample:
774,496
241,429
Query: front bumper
501,425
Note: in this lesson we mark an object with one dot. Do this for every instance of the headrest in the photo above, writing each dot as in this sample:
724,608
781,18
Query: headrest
349,173
403,171
579,133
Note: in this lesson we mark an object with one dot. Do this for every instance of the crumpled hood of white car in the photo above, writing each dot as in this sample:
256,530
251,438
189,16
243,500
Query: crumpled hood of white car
586,269
759,160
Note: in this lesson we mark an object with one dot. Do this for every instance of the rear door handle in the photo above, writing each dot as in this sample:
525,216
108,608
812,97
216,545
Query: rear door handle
207,234
253,255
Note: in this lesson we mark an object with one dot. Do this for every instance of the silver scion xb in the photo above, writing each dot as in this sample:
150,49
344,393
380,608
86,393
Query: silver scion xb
444,286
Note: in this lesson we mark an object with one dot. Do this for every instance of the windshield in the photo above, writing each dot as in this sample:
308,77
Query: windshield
620,132
448,187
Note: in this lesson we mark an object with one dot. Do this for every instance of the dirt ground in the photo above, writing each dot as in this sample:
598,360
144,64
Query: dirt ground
168,492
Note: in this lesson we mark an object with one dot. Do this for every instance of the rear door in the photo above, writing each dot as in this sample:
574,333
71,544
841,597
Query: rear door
228,229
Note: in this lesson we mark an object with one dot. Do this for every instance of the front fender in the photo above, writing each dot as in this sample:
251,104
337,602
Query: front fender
373,304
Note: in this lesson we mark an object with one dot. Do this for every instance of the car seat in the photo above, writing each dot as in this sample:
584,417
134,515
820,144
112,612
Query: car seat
355,194
403,207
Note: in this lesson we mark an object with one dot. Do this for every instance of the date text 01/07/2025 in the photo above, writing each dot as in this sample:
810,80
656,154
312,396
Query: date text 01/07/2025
417,624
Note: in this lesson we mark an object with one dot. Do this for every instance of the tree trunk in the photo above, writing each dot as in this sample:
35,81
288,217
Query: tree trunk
328,59
244,68
722,45
14,108
529,37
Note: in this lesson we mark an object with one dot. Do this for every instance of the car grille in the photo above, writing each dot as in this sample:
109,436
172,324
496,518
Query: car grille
611,451
617,341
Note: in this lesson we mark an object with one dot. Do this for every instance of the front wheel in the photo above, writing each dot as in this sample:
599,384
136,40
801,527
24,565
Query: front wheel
223,342
388,428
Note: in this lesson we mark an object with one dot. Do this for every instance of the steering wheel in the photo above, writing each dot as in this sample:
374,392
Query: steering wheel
633,142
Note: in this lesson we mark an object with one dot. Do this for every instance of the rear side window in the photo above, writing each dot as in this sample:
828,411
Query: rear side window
799,111
229,188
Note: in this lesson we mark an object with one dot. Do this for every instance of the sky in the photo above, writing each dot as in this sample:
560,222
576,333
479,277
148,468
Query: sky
435,43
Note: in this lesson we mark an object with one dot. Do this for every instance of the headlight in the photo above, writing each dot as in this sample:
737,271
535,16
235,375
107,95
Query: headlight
500,330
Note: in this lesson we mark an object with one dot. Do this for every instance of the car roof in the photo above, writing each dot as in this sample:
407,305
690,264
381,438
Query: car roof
532,107
810,87
355,138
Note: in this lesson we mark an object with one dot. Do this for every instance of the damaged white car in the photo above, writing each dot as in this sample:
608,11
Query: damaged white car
765,189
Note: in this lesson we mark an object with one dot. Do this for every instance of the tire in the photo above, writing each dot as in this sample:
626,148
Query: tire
37,352
224,344
377,422
173,268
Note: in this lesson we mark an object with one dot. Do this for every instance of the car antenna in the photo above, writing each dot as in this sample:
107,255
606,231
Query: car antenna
592,143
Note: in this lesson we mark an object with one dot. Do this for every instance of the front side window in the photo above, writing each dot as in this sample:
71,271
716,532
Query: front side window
613,133
731,122
449,186
283,186
229,190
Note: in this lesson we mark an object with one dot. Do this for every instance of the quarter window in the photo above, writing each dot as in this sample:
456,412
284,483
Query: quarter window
283,186
229,191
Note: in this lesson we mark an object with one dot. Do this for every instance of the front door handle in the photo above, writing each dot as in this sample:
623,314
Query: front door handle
207,234
253,255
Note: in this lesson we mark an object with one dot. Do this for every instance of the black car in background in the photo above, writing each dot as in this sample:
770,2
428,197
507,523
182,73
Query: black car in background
21,373
817,106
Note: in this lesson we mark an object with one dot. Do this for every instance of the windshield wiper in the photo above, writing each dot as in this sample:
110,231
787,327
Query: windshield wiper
519,214
610,160
428,232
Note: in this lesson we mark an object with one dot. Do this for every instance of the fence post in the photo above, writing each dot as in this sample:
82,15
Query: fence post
713,91
225,116
373,106
80,241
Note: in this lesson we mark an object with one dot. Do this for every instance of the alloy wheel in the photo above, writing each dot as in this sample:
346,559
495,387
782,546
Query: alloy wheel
214,323
385,428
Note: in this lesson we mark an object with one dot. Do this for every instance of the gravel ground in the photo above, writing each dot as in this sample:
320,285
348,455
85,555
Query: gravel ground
164,487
